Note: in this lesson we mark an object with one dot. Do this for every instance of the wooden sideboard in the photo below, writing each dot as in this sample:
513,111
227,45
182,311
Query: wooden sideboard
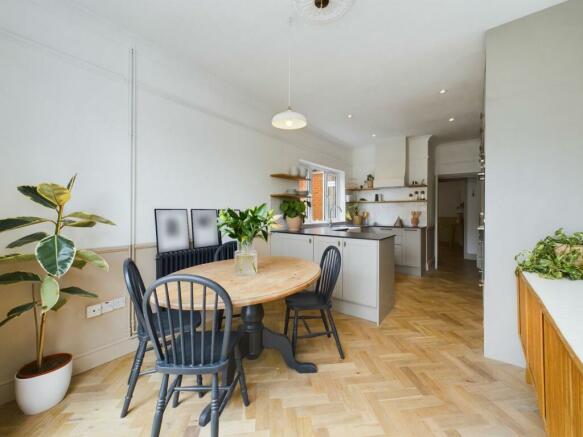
553,366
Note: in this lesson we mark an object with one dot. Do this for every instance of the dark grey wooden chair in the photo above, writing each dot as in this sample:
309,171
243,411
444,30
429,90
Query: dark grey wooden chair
136,290
224,252
186,348
320,299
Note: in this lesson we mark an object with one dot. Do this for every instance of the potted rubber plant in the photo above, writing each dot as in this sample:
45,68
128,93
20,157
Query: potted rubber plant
294,212
42,383
245,226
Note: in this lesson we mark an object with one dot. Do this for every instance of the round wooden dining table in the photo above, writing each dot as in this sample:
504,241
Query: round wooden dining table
277,277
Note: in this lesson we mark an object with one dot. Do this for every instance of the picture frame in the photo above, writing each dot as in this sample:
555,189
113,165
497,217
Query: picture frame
171,230
205,230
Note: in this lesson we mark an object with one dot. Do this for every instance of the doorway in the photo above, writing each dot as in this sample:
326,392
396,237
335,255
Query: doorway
457,216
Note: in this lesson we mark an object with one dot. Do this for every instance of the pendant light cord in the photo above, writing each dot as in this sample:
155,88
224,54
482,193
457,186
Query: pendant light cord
289,44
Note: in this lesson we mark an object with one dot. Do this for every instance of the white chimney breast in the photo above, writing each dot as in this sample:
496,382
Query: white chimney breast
390,162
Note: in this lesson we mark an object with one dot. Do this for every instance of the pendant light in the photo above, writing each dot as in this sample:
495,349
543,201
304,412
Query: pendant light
290,119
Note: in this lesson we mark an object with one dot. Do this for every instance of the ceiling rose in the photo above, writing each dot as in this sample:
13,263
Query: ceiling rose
322,11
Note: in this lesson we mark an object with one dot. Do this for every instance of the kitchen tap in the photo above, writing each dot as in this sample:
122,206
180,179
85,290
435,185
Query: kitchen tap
330,211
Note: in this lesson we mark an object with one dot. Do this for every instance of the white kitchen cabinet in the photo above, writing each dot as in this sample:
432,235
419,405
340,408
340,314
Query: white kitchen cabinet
320,245
398,254
411,248
298,246
360,271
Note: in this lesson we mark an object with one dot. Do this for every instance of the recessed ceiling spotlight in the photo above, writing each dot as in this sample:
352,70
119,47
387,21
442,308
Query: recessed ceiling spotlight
374,135
451,119
443,91
349,115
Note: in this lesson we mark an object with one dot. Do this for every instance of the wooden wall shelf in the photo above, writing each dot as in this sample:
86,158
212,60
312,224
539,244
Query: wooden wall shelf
384,188
389,201
288,196
288,177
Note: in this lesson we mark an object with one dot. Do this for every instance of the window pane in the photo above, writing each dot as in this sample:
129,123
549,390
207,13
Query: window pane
332,185
317,196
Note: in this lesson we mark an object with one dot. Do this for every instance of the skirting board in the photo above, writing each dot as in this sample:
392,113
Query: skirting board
83,362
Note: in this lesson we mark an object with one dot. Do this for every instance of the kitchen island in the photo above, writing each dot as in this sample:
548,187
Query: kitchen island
366,284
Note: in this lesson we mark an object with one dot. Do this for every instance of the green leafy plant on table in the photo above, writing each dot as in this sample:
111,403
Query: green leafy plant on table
245,226
55,253
554,257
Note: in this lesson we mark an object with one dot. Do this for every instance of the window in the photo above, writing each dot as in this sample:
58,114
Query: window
326,187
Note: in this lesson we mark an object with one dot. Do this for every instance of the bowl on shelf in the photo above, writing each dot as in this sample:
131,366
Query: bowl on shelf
291,191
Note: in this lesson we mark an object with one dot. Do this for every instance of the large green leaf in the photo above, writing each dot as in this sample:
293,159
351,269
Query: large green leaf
20,222
30,192
93,258
16,257
54,193
72,182
17,311
55,254
78,292
79,224
49,293
14,277
91,217
78,263
37,236
62,301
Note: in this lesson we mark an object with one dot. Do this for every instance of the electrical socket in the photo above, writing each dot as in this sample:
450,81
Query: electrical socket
107,306
119,302
93,311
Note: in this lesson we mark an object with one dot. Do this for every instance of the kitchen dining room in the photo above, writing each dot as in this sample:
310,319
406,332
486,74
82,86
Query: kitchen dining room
291,217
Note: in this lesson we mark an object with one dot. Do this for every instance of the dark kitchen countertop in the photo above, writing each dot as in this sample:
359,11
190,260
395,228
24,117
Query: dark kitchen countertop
364,233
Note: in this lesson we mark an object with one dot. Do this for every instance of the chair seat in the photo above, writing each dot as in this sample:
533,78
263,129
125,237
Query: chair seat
306,300
175,316
233,340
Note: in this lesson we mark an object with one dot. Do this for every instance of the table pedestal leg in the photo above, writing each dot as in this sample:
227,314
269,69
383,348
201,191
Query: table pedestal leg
255,338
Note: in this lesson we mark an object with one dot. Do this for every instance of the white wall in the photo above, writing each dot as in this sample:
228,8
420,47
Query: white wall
65,109
457,157
534,153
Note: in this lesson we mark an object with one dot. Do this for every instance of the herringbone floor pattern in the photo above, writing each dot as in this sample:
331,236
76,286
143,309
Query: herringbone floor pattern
421,373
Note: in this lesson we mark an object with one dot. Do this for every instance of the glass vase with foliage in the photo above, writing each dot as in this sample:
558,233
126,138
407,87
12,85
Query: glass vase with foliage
55,254
245,226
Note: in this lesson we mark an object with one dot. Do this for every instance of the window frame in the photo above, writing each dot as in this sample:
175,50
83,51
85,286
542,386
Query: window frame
339,216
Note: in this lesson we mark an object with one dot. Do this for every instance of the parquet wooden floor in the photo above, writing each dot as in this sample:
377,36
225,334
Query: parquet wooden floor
421,373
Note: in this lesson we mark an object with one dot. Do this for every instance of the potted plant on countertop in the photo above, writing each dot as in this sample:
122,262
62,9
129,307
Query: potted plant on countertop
294,212
245,226
43,383
554,257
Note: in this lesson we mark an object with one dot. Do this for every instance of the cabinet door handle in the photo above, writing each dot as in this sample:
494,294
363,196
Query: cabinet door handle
339,244
345,244
310,240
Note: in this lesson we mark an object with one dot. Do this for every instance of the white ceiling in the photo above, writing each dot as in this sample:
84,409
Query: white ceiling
384,61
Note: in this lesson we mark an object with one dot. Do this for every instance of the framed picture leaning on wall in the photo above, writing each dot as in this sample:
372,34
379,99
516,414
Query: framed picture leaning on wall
205,231
171,230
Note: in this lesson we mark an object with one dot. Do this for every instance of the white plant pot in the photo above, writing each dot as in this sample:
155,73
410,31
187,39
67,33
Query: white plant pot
39,393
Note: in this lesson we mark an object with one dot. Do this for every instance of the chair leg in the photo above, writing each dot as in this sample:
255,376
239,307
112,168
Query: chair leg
335,333
295,333
286,323
241,371
160,406
134,375
177,392
215,406
199,383
323,315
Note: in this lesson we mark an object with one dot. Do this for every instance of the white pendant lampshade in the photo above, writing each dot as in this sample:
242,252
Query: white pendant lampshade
289,120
